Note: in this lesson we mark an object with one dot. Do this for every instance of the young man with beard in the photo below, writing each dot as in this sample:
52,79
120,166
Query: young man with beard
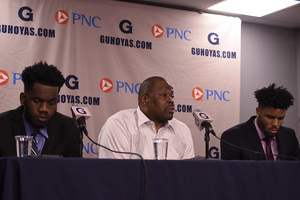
133,130
55,133
263,133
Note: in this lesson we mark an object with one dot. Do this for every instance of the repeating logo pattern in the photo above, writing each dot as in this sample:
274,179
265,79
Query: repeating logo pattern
197,93
157,31
62,17
106,85
3,77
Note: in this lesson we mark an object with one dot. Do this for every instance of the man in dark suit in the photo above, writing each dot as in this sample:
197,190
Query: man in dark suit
54,133
262,137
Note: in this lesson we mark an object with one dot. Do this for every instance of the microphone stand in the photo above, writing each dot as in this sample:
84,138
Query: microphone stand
208,129
206,139
82,127
81,142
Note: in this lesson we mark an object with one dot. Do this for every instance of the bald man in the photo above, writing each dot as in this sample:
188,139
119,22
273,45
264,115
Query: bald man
133,130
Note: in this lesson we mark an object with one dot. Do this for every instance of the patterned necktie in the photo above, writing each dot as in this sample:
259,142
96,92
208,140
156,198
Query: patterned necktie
34,148
268,148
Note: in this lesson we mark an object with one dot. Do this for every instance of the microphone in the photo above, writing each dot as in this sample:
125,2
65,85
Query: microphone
80,115
203,120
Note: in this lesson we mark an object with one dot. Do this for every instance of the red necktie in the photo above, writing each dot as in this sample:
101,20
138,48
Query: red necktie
268,148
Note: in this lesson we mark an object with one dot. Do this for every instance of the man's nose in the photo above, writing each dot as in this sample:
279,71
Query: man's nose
171,99
275,122
44,107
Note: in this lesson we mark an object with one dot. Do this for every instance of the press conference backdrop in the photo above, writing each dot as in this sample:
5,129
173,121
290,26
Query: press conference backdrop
105,49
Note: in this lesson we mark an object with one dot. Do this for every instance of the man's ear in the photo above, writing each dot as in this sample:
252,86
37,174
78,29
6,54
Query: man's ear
257,111
144,99
22,98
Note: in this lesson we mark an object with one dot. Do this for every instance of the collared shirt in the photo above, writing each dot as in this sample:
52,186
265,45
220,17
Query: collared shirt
263,142
131,131
40,138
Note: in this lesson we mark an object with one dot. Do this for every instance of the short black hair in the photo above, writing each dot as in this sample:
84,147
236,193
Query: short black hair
148,85
42,73
274,96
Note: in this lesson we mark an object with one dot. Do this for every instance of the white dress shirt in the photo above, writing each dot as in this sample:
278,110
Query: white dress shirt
131,131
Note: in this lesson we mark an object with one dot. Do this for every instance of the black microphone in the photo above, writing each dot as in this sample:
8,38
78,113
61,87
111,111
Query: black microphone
80,115
203,120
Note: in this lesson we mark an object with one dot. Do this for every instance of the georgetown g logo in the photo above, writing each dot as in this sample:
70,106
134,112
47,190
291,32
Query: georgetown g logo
125,26
213,38
25,14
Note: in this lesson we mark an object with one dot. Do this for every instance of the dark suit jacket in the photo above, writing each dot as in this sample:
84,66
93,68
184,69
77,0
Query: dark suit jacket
64,137
245,135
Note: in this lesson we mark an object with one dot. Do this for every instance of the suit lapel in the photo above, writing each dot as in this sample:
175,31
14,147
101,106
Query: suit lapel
254,139
18,124
282,143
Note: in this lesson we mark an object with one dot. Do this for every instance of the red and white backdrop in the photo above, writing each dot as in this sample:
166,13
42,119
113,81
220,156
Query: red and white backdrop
105,49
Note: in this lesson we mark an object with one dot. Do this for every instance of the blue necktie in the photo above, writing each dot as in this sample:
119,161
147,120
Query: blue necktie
34,148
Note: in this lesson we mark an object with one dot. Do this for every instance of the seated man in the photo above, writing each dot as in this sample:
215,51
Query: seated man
262,137
54,133
133,130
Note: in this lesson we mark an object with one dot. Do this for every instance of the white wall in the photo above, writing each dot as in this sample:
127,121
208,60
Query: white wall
298,74
269,54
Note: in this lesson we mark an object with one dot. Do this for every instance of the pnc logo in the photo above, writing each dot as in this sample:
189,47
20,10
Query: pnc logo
157,31
3,77
197,93
106,85
62,17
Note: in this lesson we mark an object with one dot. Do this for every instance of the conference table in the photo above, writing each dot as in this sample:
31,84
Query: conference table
46,178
